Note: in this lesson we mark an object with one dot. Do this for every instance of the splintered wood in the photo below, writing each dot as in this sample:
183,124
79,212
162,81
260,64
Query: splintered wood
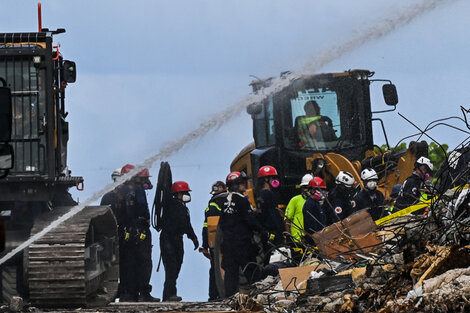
349,237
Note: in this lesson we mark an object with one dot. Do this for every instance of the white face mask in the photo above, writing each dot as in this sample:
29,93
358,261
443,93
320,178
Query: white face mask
371,184
186,198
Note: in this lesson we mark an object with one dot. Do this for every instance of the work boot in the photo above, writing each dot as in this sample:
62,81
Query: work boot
174,299
214,299
147,297
127,297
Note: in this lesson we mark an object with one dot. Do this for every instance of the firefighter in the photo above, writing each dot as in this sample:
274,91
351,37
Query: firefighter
175,223
410,192
214,208
340,204
237,223
314,218
370,197
137,241
124,208
141,183
294,216
267,204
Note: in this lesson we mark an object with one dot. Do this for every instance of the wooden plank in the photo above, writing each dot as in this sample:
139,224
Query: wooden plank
294,278
354,234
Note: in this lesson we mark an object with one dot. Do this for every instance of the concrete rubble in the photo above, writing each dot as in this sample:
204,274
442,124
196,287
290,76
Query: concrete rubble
421,265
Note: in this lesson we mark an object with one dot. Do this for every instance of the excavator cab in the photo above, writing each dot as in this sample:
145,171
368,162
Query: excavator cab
325,113
36,75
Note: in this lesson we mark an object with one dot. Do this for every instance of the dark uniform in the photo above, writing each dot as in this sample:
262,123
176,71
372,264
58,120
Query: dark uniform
238,223
314,218
214,208
409,193
144,244
175,223
116,199
371,199
342,205
269,217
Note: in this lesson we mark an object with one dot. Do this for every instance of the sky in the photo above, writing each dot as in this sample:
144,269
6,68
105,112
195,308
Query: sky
149,72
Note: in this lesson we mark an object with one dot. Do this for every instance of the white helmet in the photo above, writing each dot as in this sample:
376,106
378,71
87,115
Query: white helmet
306,179
345,178
369,174
116,173
425,161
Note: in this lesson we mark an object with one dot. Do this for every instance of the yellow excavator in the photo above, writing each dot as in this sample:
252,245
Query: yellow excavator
342,141
337,136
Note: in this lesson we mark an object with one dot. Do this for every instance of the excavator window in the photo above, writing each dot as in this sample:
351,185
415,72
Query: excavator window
263,131
324,117
28,103
315,117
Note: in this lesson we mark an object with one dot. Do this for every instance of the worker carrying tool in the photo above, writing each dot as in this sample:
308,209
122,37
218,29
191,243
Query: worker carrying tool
267,205
214,208
294,216
370,197
237,223
410,192
175,223
340,203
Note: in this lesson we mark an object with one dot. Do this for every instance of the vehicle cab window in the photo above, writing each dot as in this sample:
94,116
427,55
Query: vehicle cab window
263,131
315,118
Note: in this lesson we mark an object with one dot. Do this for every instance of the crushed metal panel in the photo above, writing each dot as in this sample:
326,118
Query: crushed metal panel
324,285
354,234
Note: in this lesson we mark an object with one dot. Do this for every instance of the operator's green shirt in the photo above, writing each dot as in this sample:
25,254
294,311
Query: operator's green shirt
295,214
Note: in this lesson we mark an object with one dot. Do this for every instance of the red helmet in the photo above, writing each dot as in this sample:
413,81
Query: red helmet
235,177
144,173
267,170
127,168
179,186
317,182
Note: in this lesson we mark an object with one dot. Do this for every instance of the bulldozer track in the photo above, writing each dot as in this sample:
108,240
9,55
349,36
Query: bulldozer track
58,264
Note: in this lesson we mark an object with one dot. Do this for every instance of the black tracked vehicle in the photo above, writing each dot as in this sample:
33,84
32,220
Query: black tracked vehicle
75,264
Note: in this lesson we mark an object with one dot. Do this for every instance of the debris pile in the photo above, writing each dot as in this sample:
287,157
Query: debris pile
412,263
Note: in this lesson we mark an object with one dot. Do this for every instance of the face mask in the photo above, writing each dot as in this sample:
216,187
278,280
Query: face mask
317,196
275,183
186,198
147,186
371,185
